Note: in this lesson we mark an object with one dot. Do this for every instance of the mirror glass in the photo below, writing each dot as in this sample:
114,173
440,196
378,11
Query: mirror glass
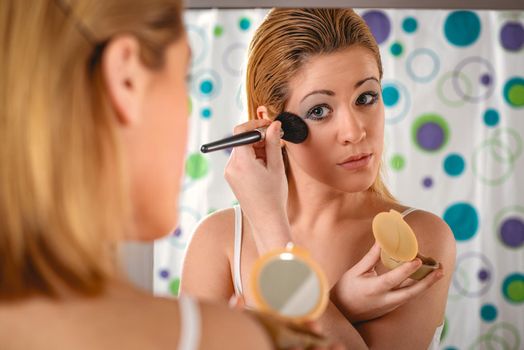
289,286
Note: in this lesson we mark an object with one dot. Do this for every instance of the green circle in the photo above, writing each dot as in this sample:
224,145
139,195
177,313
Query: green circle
397,162
513,288
514,92
196,166
430,118
452,75
444,329
174,286
218,31
396,49
189,105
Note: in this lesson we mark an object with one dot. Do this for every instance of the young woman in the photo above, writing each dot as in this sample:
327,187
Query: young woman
93,123
323,65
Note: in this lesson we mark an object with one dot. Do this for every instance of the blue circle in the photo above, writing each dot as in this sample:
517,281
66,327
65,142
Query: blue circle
244,23
409,25
454,164
206,113
396,49
462,28
491,117
391,95
422,52
463,220
164,273
488,312
206,87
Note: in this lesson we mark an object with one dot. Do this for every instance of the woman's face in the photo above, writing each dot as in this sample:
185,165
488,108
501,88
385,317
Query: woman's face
339,96
157,154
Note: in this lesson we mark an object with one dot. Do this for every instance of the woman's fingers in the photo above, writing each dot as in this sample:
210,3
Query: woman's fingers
273,150
395,277
402,295
368,262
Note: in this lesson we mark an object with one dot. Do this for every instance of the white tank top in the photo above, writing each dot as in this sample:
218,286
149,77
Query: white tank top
190,323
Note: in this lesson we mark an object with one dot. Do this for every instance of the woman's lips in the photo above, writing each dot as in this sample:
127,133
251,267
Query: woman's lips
356,162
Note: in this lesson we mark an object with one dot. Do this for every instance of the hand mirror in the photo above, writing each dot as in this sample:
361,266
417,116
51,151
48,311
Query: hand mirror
399,244
288,283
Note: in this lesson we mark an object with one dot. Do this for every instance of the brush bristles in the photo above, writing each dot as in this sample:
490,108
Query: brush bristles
295,128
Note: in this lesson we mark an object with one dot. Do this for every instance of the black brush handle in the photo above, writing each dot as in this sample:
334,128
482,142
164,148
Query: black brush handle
244,138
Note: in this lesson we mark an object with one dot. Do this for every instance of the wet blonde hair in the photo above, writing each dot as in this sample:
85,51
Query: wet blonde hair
285,41
62,188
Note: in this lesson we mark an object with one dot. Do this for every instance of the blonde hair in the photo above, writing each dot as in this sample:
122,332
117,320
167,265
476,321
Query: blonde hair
284,42
62,188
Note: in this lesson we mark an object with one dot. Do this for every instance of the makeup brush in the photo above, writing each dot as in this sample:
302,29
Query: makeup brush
294,129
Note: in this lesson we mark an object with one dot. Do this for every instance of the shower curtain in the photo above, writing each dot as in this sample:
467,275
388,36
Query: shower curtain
453,89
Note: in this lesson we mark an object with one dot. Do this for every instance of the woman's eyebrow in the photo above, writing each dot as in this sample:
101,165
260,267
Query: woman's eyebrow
332,93
360,82
323,92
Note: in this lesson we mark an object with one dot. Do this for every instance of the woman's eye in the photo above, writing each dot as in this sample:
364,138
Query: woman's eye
367,98
318,112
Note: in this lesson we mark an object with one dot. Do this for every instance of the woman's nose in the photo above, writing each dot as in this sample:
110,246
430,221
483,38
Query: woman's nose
351,129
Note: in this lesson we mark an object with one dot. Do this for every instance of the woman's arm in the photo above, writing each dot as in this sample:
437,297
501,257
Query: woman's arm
412,325
206,272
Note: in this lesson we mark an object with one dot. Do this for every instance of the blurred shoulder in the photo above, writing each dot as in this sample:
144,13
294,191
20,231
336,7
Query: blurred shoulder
218,226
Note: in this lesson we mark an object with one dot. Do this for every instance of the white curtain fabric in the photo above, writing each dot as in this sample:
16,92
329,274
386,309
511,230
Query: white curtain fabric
454,93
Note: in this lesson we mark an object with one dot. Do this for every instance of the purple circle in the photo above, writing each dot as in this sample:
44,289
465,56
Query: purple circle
485,79
483,275
379,24
164,273
512,36
177,232
430,136
427,182
512,232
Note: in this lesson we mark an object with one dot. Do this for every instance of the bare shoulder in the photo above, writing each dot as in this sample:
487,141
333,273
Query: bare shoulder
216,230
434,236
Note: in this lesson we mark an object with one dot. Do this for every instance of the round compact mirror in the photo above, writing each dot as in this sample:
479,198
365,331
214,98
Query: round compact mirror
289,283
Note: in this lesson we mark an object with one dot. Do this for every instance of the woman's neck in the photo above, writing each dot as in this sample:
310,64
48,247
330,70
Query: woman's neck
313,204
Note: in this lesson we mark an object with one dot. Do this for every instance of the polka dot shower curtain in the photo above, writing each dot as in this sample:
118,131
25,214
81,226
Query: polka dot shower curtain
454,94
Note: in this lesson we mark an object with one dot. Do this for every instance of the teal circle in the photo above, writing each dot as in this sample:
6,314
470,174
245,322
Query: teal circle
454,164
409,25
244,23
463,220
196,166
206,113
462,28
491,117
514,92
513,288
390,95
206,87
488,312
396,49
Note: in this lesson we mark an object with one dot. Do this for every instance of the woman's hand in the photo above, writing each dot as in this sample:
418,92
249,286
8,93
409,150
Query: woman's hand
361,294
286,335
257,177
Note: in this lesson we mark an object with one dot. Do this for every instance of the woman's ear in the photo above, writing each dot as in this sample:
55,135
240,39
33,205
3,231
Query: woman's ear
262,113
126,78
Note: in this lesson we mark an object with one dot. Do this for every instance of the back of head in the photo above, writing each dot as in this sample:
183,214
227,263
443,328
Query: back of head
63,194
286,40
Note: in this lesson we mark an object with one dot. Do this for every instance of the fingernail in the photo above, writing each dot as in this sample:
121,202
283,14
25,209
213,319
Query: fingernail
233,301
